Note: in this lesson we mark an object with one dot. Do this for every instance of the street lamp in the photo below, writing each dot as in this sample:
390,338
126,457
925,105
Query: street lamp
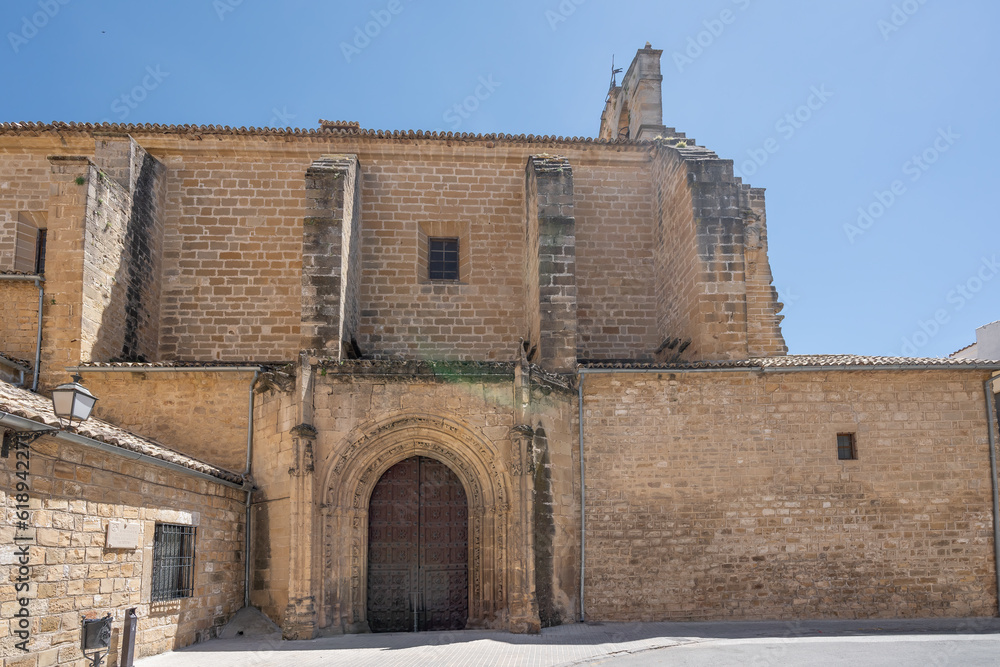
72,401
69,401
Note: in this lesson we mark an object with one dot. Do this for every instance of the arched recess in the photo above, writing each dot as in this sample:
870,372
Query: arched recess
351,476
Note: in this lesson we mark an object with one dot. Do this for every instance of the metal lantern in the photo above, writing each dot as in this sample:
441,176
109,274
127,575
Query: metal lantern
72,401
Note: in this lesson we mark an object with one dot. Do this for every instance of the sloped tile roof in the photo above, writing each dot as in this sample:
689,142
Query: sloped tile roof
23,403
831,361
20,364
140,365
343,129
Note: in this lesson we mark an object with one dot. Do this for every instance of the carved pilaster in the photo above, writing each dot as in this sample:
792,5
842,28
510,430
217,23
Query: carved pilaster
300,618
300,615
523,607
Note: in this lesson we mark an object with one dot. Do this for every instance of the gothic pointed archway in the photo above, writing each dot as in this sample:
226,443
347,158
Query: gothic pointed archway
418,549
351,477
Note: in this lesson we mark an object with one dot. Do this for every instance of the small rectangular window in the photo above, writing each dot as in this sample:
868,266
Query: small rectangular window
846,449
173,562
443,259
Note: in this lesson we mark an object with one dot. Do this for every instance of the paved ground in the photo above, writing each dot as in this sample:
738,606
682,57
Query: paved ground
936,642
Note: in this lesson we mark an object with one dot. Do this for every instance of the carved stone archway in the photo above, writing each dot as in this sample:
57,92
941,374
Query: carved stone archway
351,476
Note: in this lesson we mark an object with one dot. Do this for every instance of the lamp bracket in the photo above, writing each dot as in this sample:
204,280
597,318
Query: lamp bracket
18,439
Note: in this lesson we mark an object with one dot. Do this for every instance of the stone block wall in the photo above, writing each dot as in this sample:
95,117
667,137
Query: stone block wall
24,179
551,219
675,254
330,255
556,477
764,337
531,304
19,320
649,223
74,493
350,298
403,314
713,496
274,418
70,178
201,414
122,254
721,279
615,270
232,254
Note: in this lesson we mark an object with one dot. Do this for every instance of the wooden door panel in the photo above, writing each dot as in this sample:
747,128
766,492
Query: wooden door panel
418,549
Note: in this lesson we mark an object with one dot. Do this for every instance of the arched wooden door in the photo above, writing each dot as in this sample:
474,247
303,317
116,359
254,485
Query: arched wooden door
418,549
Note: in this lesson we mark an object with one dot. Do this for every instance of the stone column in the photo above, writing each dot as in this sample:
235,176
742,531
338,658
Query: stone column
550,263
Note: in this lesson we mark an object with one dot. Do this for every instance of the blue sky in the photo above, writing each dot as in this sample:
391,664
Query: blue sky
872,124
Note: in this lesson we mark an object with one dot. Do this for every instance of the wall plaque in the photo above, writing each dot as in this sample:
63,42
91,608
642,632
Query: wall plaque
123,535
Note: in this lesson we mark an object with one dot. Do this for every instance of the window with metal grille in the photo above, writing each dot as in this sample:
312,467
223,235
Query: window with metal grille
173,562
443,264
846,449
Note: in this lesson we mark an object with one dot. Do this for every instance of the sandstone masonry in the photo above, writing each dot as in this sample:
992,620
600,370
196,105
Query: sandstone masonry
603,372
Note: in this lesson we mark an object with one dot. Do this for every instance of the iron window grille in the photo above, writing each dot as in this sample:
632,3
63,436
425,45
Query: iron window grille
443,263
173,562
846,448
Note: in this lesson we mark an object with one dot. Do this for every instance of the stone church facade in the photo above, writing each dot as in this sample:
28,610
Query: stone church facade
489,381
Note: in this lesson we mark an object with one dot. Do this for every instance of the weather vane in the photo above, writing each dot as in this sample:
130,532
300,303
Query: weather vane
614,72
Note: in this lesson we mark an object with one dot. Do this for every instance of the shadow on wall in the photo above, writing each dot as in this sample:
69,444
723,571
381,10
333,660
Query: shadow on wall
545,531
128,329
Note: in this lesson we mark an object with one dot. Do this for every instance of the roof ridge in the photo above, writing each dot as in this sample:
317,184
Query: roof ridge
336,128
832,361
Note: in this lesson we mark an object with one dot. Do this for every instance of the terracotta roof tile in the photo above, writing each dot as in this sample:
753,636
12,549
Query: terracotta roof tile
832,361
342,128
139,365
14,361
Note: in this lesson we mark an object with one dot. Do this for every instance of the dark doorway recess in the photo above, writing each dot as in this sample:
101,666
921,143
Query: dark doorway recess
418,549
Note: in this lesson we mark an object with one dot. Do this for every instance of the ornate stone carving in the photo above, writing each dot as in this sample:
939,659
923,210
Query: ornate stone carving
304,431
372,450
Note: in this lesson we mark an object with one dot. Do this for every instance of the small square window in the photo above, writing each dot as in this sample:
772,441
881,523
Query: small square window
173,562
846,448
443,259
